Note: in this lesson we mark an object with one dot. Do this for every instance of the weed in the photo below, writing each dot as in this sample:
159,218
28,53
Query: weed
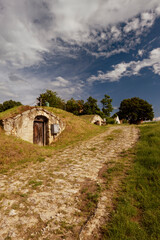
15,206
7,238
2,196
90,194
92,149
66,226
93,197
40,159
84,190
108,138
35,183
23,195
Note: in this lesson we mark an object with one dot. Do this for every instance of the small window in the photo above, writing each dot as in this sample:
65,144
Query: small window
55,129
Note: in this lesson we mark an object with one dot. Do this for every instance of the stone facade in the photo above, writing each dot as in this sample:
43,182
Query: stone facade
97,120
22,125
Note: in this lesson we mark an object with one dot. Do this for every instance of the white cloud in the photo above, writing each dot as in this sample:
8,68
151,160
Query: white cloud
152,61
112,76
27,27
26,87
66,87
116,33
140,52
132,25
60,82
138,25
108,54
127,69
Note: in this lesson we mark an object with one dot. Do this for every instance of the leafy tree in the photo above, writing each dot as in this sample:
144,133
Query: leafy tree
1,108
52,98
9,104
75,106
91,107
114,115
135,110
80,106
107,105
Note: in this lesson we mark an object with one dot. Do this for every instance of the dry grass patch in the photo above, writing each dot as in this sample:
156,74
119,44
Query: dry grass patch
16,151
89,195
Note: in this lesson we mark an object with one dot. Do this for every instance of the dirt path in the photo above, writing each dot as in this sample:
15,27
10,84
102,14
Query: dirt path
43,200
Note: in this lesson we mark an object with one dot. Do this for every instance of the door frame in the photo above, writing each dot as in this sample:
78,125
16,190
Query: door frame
44,121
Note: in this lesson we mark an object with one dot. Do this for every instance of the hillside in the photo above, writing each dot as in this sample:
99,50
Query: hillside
15,151
87,117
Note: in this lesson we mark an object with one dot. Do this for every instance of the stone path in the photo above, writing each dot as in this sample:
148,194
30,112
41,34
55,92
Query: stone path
41,201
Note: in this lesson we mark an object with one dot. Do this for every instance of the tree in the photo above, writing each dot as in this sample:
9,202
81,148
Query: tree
52,98
9,104
80,106
75,106
135,110
1,108
91,107
107,105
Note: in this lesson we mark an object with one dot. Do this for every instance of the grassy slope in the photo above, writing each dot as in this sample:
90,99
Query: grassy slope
13,111
14,150
137,208
77,128
87,117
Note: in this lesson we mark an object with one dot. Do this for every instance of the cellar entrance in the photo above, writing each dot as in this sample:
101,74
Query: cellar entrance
40,130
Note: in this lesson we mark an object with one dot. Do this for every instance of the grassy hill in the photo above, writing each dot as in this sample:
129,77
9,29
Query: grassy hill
14,151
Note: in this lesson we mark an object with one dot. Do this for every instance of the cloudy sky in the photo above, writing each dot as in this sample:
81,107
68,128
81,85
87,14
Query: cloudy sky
80,48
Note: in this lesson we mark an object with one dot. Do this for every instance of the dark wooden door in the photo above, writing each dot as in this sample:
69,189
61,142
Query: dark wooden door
38,133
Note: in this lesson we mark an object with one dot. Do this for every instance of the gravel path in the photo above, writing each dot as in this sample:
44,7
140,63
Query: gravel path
41,201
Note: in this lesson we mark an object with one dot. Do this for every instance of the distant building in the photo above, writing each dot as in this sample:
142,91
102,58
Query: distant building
117,120
156,119
96,119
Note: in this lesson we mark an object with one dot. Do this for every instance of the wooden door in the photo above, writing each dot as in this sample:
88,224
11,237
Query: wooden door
38,133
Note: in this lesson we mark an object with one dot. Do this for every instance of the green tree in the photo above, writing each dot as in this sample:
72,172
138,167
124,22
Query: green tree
91,107
75,106
1,107
80,106
52,98
107,105
135,110
9,104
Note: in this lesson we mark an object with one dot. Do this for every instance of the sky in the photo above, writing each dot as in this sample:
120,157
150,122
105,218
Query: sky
80,49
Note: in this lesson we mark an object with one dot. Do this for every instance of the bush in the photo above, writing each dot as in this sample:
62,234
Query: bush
110,121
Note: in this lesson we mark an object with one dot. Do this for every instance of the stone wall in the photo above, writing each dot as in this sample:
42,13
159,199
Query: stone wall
97,119
22,124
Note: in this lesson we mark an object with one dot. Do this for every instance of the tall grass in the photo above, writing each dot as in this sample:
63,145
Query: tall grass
137,208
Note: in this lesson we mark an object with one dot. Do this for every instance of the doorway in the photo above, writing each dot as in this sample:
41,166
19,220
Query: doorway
40,131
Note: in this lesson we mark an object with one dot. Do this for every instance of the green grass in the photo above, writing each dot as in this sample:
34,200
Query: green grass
137,207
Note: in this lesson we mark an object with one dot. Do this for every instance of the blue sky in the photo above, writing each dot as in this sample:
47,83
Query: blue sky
80,48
